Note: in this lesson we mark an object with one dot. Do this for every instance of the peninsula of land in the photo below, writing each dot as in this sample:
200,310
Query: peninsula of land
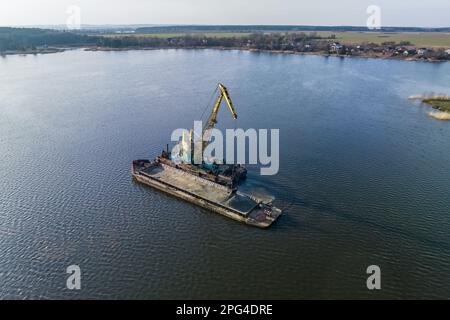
441,103
411,45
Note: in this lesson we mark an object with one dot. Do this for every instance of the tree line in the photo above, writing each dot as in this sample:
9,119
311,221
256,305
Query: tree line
22,39
25,39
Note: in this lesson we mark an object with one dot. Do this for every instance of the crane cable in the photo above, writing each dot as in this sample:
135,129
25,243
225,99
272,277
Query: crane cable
204,110
209,103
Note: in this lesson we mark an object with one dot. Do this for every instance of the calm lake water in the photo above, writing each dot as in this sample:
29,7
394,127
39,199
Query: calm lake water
364,177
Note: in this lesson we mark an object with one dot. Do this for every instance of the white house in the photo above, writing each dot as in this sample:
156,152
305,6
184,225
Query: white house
336,47
422,51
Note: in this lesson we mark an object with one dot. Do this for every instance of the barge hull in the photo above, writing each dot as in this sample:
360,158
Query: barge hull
214,198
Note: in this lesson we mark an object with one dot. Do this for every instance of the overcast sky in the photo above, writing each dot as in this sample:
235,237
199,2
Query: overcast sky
425,13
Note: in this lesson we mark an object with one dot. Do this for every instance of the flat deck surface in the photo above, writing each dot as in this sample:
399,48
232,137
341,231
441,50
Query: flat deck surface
205,189
241,203
189,183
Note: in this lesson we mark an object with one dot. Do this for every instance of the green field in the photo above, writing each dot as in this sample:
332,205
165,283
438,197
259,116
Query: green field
419,39
172,35
423,39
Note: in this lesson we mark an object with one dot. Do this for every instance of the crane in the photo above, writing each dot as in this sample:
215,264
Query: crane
194,162
212,120
203,140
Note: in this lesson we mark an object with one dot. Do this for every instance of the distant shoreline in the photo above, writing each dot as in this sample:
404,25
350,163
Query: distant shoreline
430,47
33,51
285,52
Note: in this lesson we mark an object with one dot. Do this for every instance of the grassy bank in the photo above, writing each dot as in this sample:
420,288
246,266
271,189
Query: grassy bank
442,104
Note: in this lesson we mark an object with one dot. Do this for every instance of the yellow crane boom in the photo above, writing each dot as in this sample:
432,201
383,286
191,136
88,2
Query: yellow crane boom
212,120
203,140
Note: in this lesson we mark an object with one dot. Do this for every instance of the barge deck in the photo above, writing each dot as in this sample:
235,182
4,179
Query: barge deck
205,193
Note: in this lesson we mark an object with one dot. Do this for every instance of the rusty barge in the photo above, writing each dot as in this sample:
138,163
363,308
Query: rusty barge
205,193
212,185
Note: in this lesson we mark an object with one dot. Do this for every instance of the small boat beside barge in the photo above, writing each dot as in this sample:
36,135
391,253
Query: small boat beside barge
205,193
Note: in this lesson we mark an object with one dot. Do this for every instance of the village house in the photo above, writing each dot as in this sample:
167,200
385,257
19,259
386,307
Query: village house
408,51
422,51
398,50
307,48
388,49
336,47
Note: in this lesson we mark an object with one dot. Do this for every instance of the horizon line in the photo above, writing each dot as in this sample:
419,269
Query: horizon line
216,25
